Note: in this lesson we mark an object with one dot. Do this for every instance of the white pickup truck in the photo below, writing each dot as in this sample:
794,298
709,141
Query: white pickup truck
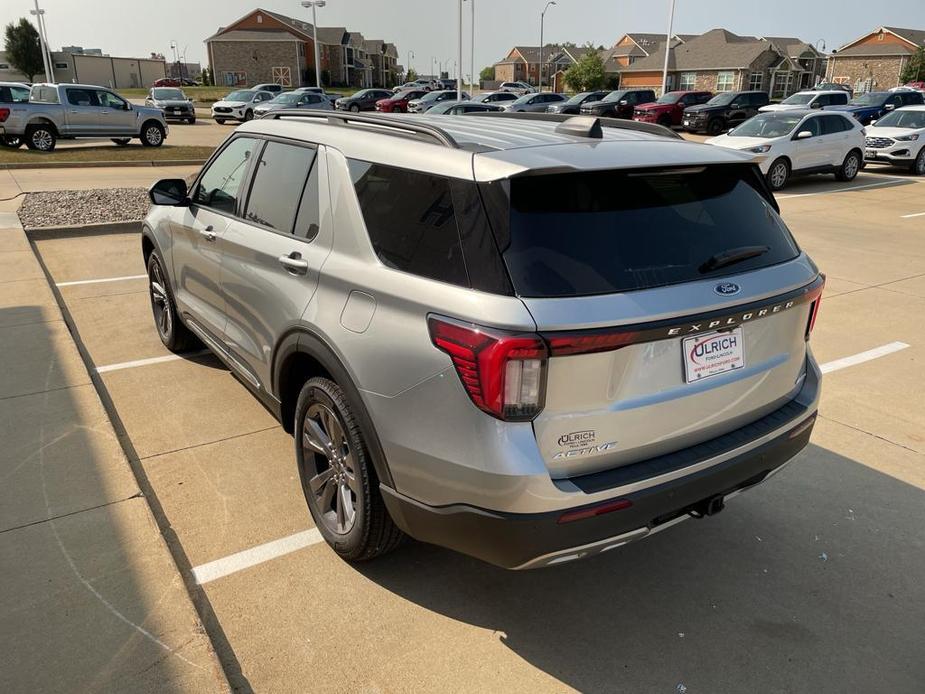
67,111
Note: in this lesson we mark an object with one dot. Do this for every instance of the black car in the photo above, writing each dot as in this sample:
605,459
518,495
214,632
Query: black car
573,105
725,110
619,103
363,100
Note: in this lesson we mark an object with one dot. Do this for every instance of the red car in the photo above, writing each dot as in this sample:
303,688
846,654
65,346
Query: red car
167,82
399,102
668,109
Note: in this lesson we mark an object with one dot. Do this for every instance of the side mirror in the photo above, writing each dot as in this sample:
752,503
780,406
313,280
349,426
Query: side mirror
624,102
126,106
735,104
169,191
873,121
889,107
804,134
816,104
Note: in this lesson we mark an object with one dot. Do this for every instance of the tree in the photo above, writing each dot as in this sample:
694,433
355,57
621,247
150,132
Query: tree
23,49
586,74
206,77
915,68
411,75
487,74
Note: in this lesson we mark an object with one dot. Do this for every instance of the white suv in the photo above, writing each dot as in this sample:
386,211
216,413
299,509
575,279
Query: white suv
809,99
898,139
799,142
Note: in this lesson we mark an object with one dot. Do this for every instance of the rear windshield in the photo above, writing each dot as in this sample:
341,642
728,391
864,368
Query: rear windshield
617,231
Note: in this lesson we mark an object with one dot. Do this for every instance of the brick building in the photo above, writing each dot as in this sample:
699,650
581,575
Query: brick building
876,60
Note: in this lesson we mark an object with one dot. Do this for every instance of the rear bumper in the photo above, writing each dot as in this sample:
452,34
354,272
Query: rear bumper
522,541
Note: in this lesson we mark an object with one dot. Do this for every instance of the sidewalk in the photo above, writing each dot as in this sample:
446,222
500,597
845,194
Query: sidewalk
14,181
90,598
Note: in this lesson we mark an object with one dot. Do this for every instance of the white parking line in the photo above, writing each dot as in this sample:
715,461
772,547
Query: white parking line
255,555
146,362
892,182
910,216
860,358
100,281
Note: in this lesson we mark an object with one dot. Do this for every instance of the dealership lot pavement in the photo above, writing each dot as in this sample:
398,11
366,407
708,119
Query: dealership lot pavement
808,583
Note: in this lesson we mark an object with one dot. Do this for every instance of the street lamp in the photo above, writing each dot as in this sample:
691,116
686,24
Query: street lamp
471,49
667,47
39,15
542,17
408,69
459,54
313,4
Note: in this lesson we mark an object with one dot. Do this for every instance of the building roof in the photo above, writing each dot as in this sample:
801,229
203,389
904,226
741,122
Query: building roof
355,39
713,50
793,47
531,54
913,36
916,36
373,45
333,36
256,35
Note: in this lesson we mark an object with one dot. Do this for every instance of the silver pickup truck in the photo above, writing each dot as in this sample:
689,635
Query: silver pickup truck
68,111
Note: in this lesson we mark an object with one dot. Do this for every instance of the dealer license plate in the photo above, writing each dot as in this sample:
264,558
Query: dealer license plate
710,354
870,154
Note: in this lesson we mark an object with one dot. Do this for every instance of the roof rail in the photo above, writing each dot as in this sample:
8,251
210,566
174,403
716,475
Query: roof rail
387,122
617,123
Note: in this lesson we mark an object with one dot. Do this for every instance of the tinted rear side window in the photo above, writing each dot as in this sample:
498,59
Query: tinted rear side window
279,180
618,231
411,221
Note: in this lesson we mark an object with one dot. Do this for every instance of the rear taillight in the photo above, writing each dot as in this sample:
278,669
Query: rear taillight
4,114
814,310
564,344
503,373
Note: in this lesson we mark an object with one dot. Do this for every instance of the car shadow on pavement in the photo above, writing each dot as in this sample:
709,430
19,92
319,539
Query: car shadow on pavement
809,583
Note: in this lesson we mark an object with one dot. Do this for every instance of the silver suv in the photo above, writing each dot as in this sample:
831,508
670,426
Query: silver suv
526,337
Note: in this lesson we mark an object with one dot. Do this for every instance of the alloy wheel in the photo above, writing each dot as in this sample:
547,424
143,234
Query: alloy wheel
160,302
153,135
42,140
779,175
851,166
333,483
920,163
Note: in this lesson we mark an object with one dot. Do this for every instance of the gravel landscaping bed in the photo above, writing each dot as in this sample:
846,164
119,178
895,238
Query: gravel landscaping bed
69,207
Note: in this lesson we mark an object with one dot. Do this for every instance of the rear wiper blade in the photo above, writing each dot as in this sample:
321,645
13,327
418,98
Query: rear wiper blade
732,256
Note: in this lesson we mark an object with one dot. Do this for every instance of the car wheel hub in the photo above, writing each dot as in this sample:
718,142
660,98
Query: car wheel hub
333,482
153,135
41,139
159,302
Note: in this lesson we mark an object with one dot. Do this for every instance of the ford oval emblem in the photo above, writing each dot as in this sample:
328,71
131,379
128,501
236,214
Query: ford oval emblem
727,288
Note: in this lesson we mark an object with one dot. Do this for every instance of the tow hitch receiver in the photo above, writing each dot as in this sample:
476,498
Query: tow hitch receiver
708,507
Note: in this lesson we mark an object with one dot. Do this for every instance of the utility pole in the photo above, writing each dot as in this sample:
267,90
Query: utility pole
472,50
667,47
43,40
408,69
459,61
543,17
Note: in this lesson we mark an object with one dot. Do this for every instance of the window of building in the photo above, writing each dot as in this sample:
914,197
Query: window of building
724,81
235,79
687,81
220,185
756,81
279,179
411,221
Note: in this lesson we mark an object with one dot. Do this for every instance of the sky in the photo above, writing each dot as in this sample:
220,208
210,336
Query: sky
428,28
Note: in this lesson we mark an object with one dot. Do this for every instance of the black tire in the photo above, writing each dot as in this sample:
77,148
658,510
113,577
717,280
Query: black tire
665,121
850,166
41,138
191,121
220,121
778,174
122,141
11,141
248,115
918,166
354,108
715,126
175,336
326,477
152,134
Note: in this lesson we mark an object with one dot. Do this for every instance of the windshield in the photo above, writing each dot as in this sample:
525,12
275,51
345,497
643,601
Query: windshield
722,99
799,99
767,125
615,96
289,98
169,94
669,98
871,99
576,234
903,119
360,94
240,95
578,99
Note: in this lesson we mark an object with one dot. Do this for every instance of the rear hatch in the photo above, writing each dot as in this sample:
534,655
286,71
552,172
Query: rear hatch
675,304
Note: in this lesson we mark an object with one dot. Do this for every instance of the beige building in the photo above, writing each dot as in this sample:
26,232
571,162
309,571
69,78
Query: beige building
103,70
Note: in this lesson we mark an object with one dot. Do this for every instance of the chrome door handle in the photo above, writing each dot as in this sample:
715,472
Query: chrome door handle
294,263
207,233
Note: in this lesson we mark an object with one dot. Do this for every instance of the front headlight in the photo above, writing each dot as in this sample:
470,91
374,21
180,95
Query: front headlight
760,149
908,138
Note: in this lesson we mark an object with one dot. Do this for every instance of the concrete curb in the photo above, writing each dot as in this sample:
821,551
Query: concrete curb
44,233
100,164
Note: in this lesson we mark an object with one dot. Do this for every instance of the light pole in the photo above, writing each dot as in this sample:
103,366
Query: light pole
459,54
542,17
667,47
313,4
39,15
472,48
408,69
816,77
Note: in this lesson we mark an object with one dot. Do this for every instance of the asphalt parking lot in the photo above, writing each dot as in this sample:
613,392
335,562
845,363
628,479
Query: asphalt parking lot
811,582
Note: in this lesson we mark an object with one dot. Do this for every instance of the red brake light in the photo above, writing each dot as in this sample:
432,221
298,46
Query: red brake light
503,373
597,510
814,310
564,344
4,114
